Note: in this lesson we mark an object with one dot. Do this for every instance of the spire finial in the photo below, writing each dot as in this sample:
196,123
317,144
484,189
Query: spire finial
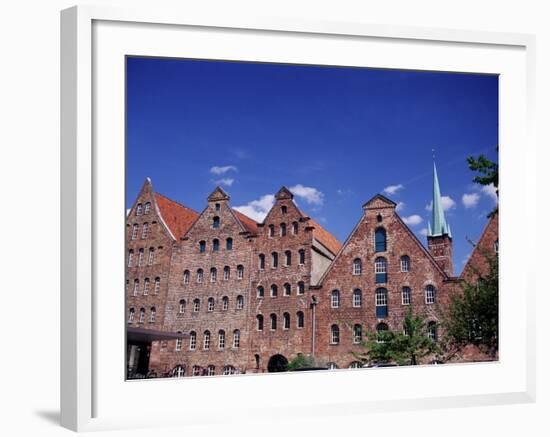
433,154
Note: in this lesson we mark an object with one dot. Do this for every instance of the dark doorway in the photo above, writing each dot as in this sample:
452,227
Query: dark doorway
277,363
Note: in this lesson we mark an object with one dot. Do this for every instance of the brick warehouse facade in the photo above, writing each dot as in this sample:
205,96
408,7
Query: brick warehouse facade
247,297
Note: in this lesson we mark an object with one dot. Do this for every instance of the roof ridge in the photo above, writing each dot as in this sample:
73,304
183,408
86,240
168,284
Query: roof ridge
176,202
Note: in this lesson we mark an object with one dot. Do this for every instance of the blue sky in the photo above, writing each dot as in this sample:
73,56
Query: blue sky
335,136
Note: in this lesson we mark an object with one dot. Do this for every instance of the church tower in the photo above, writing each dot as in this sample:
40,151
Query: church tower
440,239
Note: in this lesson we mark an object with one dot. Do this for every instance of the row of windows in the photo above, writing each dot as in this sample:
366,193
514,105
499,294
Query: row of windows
282,229
213,274
381,265
357,333
381,297
273,321
140,210
207,340
140,259
210,370
145,230
287,259
132,315
146,286
210,304
287,290
216,245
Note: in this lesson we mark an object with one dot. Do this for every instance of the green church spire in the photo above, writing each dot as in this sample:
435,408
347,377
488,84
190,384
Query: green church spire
438,225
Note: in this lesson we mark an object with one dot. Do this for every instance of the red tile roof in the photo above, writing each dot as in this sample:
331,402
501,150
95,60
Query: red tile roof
177,217
325,237
249,224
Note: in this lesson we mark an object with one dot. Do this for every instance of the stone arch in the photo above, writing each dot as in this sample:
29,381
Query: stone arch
277,363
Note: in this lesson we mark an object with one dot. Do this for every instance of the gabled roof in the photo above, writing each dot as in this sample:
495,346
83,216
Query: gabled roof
249,224
379,201
325,237
218,194
178,218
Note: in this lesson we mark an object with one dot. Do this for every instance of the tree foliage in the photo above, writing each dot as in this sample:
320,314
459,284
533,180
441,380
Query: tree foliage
301,361
487,172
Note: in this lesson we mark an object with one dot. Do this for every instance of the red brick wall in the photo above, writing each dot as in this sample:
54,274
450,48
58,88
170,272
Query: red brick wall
477,263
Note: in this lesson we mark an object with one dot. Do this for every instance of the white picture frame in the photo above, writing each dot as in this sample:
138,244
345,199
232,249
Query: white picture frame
86,403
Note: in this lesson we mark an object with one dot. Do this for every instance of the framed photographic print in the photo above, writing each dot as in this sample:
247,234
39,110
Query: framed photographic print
261,206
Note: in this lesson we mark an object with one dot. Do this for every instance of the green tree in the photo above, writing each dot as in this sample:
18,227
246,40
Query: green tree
487,172
404,348
301,361
472,316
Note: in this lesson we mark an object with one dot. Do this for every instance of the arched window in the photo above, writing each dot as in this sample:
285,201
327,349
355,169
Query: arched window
206,340
286,321
236,339
357,334
202,246
334,334
260,291
260,322
178,343
213,274
332,366
261,261
226,273
157,285
301,288
147,207
282,228
381,332
139,209
145,231
301,256
221,339
294,228
192,340
200,275
136,286
142,315
186,276
380,240
355,365
335,299
381,303
240,272
271,231
182,306
240,302
432,330
178,371
196,370
229,244
196,305
273,290
134,231
216,222
140,257
299,319
406,296
225,303
228,370
381,270
153,315
131,315
217,207
273,319
357,298
130,257
274,260
405,263
210,307
211,370
430,294
284,209
151,256
215,244
288,258
146,284
286,289
356,266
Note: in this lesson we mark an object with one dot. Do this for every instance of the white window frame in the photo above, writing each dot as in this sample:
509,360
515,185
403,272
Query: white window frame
200,276
157,286
300,288
210,305
136,287
334,334
357,298
405,263
196,305
335,299
139,209
273,290
142,315
381,297
357,338
192,341
146,283
153,316
151,260
236,339
406,291
287,289
225,303
178,345
240,302
145,230
140,257
186,277
221,339
429,294
182,305
135,230
130,258
240,272
210,370
147,209
357,267
213,275
380,265
206,341
131,315
226,273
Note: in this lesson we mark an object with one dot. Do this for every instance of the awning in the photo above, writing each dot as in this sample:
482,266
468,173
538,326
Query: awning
142,335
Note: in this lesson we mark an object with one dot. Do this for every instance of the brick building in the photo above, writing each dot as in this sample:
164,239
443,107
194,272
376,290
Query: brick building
240,296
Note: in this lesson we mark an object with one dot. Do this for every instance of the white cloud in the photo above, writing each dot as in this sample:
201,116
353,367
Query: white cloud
392,189
222,169
423,232
490,191
446,202
258,209
400,206
470,200
224,181
412,220
309,194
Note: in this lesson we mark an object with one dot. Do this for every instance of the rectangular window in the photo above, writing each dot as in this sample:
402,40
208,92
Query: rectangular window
145,231
157,286
151,257
406,296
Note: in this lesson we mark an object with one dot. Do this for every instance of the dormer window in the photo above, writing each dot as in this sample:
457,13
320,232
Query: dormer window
216,222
